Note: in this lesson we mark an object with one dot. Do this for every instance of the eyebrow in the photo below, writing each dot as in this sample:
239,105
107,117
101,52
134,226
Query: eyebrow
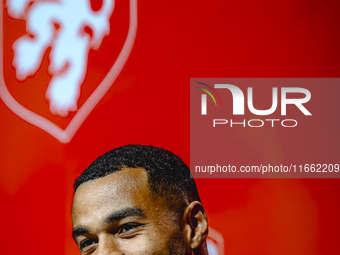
121,214
79,231
111,218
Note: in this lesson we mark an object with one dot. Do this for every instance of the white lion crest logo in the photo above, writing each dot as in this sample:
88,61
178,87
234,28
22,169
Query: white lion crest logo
59,24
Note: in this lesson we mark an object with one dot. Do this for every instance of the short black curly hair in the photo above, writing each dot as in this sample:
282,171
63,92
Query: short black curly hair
169,177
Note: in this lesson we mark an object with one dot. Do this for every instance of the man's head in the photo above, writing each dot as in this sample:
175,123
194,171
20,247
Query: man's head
138,200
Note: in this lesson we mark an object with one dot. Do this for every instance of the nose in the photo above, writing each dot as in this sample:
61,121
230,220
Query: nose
107,245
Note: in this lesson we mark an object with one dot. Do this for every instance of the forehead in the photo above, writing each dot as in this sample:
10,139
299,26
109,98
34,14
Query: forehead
128,187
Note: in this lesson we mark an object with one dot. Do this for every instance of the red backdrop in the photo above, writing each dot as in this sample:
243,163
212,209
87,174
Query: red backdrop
149,104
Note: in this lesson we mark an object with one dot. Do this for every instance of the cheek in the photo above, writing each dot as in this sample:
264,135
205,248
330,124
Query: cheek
146,244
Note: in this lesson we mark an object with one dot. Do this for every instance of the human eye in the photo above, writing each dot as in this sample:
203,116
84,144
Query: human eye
128,229
87,243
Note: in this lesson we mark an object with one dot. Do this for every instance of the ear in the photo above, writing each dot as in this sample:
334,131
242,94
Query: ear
195,225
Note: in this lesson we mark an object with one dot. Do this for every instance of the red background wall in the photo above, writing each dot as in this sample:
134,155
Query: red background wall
149,104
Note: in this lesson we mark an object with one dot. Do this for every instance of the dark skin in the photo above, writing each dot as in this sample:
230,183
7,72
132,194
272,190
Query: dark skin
118,214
